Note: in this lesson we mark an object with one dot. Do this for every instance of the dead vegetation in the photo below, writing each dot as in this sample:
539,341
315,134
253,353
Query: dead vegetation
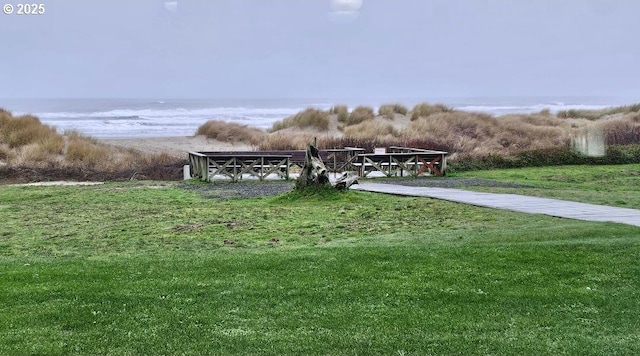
341,112
425,110
390,110
598,114
358,115
436,126
30,150
231,132
309,118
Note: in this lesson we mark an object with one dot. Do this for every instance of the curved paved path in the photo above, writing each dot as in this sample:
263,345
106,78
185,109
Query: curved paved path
513,202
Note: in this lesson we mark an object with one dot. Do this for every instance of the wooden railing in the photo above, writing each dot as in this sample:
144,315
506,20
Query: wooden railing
395,161
261,164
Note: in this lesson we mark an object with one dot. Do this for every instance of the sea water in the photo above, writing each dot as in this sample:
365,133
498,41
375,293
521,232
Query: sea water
132,118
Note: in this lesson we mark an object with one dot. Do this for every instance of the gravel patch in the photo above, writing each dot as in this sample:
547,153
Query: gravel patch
243,189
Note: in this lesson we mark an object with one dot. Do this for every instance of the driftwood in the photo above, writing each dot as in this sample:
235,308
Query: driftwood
346,180
314,173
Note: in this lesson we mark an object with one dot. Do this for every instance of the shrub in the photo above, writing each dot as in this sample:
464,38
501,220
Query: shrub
620,132
543,157
310,117
359,114
278,141
598,114
371,129
461,131
389,110
425,109
24,130
230,132
86,153
33,151
341,111
370,143
6,153
545,112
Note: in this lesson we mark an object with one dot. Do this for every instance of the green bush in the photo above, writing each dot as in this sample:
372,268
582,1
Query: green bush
544,157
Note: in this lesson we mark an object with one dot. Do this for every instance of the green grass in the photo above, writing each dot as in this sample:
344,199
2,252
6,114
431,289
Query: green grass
129,269
615,185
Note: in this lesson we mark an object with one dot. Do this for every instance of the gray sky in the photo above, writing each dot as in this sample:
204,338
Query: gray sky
301,48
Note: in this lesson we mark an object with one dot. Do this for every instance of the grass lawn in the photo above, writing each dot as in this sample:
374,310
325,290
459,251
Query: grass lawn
126,268
606,185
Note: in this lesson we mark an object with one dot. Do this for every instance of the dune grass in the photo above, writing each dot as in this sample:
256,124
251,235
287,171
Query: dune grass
309,118
358,115
230,132
30,147
425,109
125,268
469,134
341,112
372,129
390,110
598,114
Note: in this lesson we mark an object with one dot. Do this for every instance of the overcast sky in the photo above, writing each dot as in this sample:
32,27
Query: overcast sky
321,49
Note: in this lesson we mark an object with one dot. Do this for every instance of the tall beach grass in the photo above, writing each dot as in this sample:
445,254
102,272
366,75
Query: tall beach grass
309,118
30,150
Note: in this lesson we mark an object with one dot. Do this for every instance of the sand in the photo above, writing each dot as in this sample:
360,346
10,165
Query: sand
177,146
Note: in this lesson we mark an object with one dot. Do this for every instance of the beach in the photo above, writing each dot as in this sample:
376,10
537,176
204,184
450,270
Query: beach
177,146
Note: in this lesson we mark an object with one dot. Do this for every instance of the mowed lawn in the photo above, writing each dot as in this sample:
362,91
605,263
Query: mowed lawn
616,185
133,268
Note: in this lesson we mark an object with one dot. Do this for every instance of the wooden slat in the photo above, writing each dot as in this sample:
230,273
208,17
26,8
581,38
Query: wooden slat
260,164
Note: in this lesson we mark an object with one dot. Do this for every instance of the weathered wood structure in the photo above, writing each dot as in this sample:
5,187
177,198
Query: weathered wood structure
394,161
234,165
314,172
401,161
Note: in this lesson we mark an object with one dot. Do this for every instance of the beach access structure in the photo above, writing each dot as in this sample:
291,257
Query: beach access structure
390,161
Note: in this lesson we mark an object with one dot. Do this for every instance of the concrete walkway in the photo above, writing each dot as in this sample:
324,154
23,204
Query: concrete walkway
513,202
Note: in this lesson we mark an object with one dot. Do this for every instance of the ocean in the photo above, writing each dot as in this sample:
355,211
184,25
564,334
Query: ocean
132,118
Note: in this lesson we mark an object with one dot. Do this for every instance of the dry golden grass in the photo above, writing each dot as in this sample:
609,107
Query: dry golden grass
230,132
372,129
25,130
25,142
341,111
483,134
358,115
80,151
425,109
390,110
458,132
623,131
309,118
6,153
280,141
598,114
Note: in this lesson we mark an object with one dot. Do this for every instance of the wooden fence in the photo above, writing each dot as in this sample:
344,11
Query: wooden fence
235,165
